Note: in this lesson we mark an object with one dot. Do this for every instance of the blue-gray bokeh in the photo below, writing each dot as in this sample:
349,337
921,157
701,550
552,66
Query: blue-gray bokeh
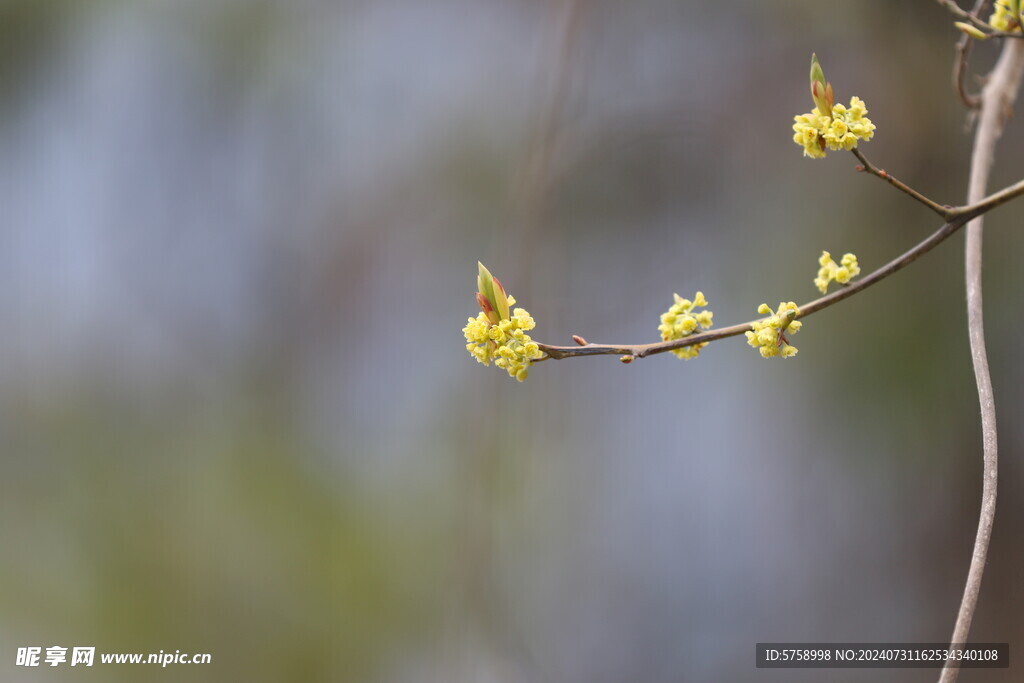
240,240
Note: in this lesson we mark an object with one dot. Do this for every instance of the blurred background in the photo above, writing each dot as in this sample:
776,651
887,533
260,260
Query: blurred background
238,246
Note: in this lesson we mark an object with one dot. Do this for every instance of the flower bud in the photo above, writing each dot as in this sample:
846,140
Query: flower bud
821,91
491,295
971,30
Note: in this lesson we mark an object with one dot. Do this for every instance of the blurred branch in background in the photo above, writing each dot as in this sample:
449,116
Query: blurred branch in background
490,461
222,218
536,174
997,98
963,52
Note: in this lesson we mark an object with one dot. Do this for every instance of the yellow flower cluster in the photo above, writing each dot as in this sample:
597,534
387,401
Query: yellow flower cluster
840,129
681,320
1002,19
769,334
505,342
498,334
830,271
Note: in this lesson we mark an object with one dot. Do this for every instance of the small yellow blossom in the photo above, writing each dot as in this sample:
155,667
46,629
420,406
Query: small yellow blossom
1004,19
768,335
849,124
841,130
497,336
681,320
829,125
842,273
807,133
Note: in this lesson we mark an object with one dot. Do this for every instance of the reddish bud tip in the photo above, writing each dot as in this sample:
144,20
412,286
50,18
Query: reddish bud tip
485,305
883,174
579,340
627,359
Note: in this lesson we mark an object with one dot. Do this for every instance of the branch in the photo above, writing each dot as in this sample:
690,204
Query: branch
956,10
963,51
960,216
945,212
960,13
996,98
990,202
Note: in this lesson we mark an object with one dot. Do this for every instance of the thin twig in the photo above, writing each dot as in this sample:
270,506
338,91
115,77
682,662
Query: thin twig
945,212
960,13
963,51
999,93
990,202
957,11
960,217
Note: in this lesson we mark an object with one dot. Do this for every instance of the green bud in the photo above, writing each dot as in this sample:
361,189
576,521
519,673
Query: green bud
501,299
492,294
483,281
817,74
821,91
971,30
